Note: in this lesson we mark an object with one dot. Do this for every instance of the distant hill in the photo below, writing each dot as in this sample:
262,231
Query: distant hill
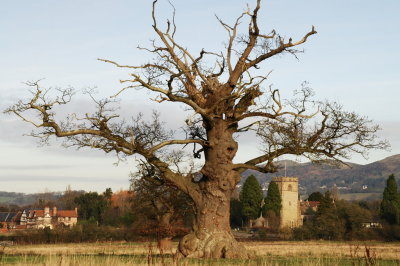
16,198
21,199
369,178
355,182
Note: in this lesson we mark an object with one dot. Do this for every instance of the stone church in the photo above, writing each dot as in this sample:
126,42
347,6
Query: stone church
290,212
290,215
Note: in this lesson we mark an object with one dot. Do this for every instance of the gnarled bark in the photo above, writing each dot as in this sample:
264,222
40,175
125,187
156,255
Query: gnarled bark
212,244
211,236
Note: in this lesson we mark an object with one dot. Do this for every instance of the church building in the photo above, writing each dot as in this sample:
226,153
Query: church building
290,215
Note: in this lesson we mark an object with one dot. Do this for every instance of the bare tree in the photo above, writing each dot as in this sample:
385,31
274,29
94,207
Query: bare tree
156,198
226,98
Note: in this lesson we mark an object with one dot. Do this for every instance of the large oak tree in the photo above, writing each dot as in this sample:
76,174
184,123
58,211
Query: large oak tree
226,96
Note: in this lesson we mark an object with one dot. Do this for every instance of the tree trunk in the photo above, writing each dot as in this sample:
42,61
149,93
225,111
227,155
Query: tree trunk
164,241
211,236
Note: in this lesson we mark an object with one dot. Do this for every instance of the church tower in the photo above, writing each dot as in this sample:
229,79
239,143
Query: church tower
290,212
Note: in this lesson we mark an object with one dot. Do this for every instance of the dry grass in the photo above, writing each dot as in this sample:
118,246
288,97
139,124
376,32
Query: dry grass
325,248
111,248
269,253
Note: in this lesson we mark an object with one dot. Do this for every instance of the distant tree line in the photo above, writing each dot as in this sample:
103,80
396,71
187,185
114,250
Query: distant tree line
334,219
343,220
252,204
154,209
151,209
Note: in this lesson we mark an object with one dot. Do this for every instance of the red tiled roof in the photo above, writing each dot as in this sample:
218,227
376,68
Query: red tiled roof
38,213
313,203
59,213
66,213
310,204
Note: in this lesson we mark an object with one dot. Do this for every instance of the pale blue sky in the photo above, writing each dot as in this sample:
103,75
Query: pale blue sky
353,59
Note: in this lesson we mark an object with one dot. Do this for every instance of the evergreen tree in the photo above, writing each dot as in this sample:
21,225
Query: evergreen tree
327,224
92,206
326,204
315,196
353,216
251,197
390,205
273,200
236,213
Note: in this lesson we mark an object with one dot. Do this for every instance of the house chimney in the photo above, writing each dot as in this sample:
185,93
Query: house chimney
46,210
76,211
54,211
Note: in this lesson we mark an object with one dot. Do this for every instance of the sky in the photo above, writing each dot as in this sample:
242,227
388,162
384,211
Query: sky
353,60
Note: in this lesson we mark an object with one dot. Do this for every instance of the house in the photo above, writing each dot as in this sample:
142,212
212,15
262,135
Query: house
49,218
7,220
308,208
313,205
38,219
260,222
371,225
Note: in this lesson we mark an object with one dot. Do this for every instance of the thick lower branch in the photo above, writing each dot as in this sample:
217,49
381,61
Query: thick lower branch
241,167
172,142
184,183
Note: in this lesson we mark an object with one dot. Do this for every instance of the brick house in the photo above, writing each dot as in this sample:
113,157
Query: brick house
49,218
308,208
38,219
8,220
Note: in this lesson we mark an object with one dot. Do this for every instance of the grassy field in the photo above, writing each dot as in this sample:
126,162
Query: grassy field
4,199
360,196
268,253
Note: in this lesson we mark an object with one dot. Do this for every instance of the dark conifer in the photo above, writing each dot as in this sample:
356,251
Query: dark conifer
273,200
390,205
315,196
251,196
327,223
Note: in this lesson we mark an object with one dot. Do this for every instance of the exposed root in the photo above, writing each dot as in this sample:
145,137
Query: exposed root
212,245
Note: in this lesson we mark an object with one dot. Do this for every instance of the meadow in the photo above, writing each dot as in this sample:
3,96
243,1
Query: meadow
147,253
360,196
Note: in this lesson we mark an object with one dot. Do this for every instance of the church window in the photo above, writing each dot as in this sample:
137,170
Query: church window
290,188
